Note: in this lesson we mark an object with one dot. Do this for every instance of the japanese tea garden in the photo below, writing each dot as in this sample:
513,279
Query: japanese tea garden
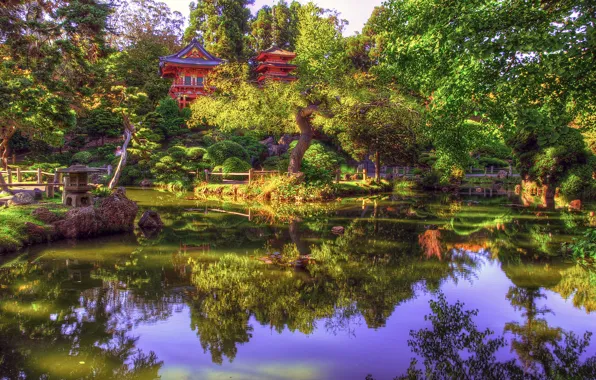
276,189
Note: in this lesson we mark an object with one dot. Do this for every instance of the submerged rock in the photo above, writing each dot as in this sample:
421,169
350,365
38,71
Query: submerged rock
146,183
150,221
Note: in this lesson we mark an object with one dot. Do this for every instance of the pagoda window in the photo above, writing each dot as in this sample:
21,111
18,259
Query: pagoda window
188,80
200,81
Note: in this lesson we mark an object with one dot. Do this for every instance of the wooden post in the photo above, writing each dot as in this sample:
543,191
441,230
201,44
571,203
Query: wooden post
492,169
337,175
50,190
39,176
9,175
14,159
64,190
363,175
250,174
19,175
207,175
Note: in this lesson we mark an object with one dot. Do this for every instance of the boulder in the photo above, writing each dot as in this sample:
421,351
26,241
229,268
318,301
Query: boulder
35,233
112,214
502,174
37,194
150,221
116,212
44,215
338,230
21,199
81,222
146,183
575,205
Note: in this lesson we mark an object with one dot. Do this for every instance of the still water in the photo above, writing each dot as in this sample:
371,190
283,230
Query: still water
199,301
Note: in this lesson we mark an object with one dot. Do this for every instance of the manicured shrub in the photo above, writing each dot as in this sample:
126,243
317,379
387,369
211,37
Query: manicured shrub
195,153
236,165
576,180
319,163
221,151
253,147
82,157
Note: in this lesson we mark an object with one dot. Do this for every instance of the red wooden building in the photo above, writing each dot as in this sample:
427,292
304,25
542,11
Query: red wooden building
188,68
274,63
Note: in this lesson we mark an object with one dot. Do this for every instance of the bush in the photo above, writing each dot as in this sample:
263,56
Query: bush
83,157
252,146
576,181
276,163
195,153
221,151
431,180
236,165
319,163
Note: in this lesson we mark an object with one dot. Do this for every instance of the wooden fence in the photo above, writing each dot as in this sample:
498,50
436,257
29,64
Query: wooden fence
251,174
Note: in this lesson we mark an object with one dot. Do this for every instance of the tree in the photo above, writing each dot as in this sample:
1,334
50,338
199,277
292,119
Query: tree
48,52
378,122
221,25
277,25
497,61
283,107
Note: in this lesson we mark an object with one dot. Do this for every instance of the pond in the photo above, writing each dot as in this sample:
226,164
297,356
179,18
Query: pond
200,301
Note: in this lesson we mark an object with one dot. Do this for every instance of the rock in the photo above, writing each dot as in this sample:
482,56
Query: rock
37,194
268,141
502,174
112,214
285,140
81,222
45,215
146,183
338,230
575,205
116,212
150,221
35,233
21,199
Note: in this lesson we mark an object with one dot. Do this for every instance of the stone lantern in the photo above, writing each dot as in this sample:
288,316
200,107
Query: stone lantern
76,186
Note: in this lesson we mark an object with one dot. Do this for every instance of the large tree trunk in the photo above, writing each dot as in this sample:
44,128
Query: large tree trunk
306,132
377,167
548,196
4,148
3,185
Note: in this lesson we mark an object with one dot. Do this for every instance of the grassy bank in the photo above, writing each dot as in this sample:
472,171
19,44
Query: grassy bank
290,189
14,231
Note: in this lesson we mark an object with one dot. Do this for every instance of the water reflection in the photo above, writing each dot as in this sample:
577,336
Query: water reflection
92,309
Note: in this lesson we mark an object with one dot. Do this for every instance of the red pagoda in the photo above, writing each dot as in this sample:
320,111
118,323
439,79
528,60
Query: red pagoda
188,67
274,63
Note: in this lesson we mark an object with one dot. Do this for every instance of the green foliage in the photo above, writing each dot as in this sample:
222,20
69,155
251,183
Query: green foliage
253,147
236,165
583,249
101,122
276,25
83,157
172,118
196,153
495,62
576,181
320,163
221,151
221,26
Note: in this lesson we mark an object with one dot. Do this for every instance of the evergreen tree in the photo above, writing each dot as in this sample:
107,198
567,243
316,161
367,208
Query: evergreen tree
222,26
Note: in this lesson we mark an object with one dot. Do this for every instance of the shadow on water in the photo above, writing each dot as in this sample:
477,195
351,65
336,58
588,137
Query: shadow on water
100,308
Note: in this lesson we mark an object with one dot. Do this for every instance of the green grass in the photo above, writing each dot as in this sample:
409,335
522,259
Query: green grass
13,219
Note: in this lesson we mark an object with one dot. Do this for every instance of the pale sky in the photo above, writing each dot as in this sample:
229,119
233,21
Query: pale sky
356,12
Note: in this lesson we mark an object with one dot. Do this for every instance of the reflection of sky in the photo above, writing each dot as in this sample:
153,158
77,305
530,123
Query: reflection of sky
323,355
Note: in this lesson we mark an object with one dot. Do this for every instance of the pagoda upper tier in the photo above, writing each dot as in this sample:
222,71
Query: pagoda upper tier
274,63
188,68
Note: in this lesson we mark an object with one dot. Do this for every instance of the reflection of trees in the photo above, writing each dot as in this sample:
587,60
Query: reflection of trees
363,274
534,337
580,284
57,321
454,348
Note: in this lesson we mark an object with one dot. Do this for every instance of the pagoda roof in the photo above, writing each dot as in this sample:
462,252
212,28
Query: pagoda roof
275,50
265,65
194,54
